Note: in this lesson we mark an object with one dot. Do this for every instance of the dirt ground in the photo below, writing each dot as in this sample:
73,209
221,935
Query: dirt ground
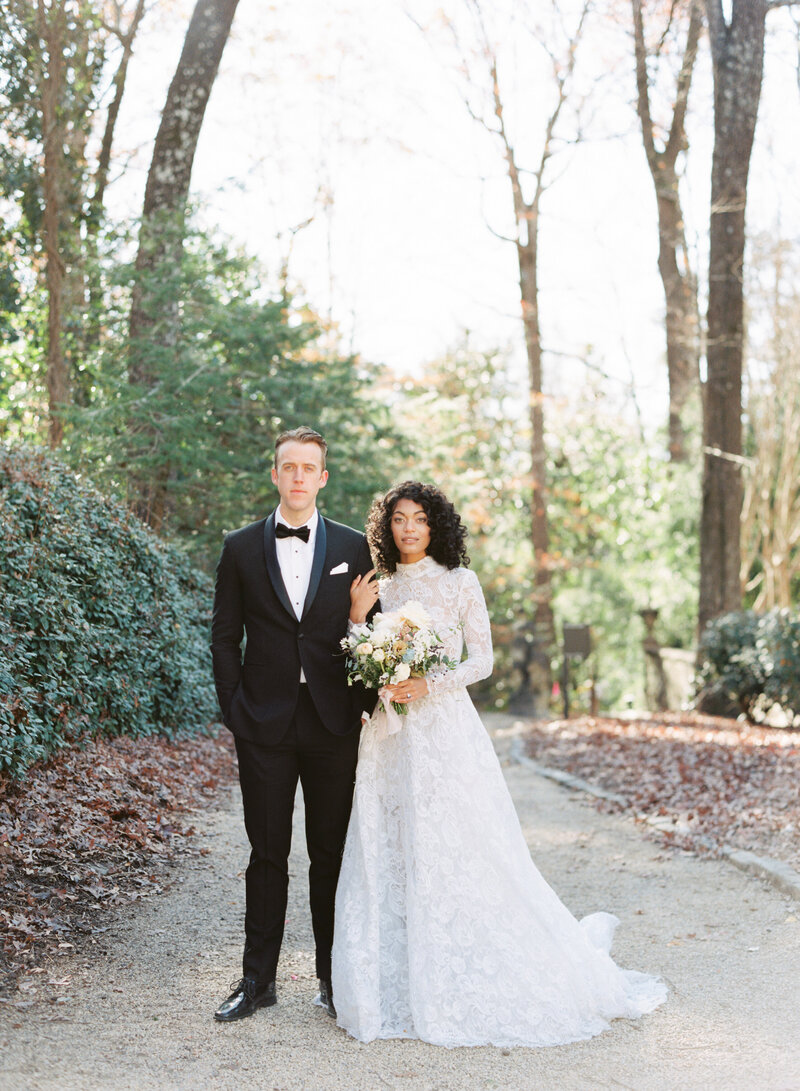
138,1014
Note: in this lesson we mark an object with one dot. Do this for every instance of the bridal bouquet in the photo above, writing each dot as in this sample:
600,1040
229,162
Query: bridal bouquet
393,647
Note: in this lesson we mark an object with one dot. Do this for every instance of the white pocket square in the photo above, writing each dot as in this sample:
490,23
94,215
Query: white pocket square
337,571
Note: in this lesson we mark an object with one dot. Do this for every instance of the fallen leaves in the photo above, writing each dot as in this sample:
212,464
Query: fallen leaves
89,830
702,781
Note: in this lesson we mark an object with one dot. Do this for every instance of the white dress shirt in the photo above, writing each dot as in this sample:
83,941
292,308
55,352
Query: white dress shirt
295,558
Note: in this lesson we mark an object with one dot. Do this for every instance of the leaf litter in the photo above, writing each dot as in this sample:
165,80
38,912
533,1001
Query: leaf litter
94,828
89,830
700,782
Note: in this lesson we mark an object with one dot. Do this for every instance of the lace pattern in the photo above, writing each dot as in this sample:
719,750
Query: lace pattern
445,929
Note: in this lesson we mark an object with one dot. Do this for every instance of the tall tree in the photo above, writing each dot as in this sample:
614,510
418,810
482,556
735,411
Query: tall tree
771,508
54,57
737,52
489,101
154,307
674,265
51,27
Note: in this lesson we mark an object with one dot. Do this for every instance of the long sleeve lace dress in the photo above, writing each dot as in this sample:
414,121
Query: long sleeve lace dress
445,930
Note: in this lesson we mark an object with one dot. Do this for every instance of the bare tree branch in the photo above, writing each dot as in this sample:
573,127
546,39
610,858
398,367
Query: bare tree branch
643,84
677,131
676,276
520,207
562,80
667,28
126,38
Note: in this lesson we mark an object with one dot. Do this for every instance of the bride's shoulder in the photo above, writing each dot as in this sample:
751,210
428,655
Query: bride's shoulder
465,577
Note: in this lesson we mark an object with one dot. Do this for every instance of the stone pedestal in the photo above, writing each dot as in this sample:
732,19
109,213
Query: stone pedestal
532,668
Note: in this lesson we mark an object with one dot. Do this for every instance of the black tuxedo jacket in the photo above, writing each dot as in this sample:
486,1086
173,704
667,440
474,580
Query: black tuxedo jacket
258,695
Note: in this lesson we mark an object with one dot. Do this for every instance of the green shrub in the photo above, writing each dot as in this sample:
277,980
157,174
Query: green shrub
103,627
754,659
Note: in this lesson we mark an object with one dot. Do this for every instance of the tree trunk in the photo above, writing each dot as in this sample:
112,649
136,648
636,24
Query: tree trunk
51,29
683,344
154,314
771,507
527,253
677,277
526,216
737,51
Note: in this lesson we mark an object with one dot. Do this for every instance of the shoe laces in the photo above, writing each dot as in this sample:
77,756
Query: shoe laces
246,984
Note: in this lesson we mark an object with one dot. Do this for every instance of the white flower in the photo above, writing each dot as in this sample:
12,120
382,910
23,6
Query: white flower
415,613
403,671
397,646
383,626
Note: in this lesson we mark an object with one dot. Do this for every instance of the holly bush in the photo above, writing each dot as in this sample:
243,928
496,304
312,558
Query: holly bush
103,627
755,660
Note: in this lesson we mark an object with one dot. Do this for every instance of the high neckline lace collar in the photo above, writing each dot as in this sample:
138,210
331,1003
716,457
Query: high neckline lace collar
418,568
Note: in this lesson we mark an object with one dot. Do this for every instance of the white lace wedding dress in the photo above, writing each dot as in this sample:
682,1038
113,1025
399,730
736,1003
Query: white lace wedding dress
445,930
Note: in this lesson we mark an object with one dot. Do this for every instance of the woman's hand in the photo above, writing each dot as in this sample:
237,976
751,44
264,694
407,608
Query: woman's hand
363,596
403,692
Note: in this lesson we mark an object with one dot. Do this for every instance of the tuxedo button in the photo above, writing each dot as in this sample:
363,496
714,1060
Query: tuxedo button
300,636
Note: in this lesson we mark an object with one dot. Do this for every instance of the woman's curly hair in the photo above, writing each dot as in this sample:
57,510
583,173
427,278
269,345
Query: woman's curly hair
448,533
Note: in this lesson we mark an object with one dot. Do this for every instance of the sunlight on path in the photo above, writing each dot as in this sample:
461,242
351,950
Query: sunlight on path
728,948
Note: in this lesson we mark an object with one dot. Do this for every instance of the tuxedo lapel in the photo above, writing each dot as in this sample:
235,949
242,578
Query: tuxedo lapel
273,568
318,564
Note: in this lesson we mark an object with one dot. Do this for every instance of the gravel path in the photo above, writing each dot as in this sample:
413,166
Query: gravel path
139,1015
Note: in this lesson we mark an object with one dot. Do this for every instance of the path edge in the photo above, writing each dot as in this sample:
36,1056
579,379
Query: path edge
778,874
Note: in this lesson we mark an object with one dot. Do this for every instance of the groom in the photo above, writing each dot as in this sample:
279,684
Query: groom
284,583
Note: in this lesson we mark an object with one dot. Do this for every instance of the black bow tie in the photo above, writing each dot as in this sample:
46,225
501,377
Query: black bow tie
282,531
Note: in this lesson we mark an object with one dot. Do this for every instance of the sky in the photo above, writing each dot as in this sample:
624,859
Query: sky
347,114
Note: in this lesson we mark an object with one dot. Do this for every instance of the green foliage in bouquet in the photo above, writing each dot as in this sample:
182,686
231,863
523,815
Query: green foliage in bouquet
754,659
393,647
103,628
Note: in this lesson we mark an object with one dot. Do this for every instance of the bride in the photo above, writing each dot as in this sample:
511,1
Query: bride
444,928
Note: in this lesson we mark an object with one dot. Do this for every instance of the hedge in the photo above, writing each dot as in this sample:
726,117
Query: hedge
754,659
103,626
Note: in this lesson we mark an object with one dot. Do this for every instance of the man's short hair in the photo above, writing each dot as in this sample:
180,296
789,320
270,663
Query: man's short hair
303,434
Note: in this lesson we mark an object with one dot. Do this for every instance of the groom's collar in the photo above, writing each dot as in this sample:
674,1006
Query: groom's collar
311,522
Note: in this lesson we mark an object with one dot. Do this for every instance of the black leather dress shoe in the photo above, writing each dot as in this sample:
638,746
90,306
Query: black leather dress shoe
247,996
325,997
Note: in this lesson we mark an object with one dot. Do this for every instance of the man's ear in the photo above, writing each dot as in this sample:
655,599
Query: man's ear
274,476
323,481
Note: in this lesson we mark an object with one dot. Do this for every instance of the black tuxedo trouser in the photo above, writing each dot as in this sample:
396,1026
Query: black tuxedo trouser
268,775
